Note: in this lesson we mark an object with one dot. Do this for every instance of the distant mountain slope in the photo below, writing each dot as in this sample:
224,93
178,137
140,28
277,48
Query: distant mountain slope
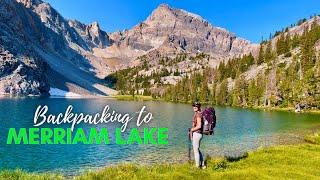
171,31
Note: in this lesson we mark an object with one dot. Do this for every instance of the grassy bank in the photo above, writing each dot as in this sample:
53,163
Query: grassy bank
22,175
286,109
133,98
279,162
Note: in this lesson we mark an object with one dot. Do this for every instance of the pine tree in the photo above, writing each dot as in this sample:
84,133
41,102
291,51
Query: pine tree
280,44
240,92
287,42
221,71
307,52
295,41
222,94
252,93
268,56
213,93
261,55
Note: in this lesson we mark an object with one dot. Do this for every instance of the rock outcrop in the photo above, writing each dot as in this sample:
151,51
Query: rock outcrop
22,76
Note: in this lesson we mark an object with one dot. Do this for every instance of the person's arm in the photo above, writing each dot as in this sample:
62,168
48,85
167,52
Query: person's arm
198,125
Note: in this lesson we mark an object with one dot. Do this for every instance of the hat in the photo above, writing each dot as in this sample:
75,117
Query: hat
196,104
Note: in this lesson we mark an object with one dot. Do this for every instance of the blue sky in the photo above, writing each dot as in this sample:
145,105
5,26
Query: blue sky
246,18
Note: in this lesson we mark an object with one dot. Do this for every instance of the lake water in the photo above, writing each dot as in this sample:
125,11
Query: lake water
238,130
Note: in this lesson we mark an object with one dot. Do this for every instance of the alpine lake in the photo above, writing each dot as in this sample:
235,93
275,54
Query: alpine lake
238,130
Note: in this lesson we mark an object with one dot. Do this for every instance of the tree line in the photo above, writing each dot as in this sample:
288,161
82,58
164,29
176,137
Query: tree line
281,84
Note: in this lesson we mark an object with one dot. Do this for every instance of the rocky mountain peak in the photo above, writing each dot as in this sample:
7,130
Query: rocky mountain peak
165,13
170,29
29,3
164,5
97,36
162,11
76,24
94,27
162,8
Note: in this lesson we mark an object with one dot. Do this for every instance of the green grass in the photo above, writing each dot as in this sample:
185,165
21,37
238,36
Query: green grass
22,175
285,109
133,98
280,162
314,138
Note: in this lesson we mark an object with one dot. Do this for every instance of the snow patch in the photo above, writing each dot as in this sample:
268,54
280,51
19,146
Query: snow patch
55,92
195,16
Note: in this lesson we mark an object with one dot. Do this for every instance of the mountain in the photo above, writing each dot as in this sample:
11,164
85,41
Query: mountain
91,34
37,45
284,74
173,54
171,31
50,46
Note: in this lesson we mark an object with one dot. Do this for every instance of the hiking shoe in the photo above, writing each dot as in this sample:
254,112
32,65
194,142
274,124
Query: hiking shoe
203,167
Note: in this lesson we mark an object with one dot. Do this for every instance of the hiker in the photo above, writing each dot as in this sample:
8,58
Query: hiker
195,134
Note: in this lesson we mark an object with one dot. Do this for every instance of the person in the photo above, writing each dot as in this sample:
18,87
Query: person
196,135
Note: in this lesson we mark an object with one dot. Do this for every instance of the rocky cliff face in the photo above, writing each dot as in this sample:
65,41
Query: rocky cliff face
22,72
39,38
172,30
73,33
92,34
21,76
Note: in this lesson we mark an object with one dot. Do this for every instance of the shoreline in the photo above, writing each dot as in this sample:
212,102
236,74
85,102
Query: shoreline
149,98
263,163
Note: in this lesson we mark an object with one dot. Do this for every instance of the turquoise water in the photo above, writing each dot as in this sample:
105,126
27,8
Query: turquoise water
238,130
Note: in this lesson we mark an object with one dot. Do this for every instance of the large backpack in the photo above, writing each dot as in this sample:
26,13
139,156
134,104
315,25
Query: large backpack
208,120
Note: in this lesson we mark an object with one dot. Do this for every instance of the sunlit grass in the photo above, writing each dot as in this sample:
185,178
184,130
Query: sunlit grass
314,138
22,175
293,162
133,98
